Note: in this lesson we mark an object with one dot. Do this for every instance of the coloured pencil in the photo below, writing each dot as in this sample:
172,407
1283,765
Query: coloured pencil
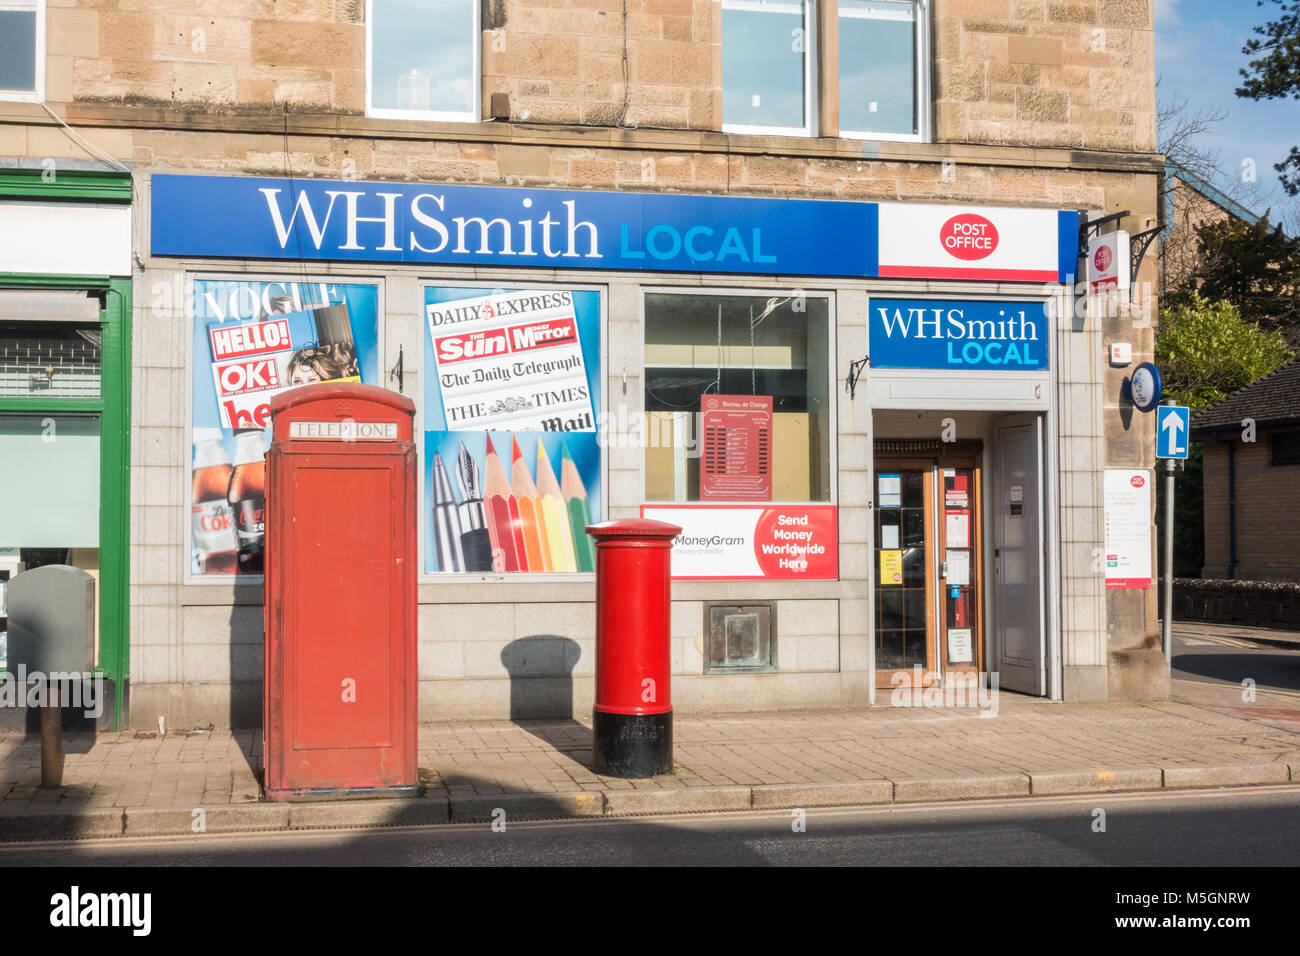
530,512
503,515
575,496
559,538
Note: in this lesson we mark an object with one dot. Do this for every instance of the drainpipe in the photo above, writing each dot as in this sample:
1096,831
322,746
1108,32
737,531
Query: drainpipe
1232,501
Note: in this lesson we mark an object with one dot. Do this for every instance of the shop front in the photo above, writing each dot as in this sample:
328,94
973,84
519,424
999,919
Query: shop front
65,410
851,409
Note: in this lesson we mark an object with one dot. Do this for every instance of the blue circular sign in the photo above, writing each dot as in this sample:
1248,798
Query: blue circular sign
1145,387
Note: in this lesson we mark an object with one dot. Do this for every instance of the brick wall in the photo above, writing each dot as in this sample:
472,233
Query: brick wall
1076,74
1268,512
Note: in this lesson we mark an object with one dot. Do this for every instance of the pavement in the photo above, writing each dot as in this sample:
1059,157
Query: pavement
138,783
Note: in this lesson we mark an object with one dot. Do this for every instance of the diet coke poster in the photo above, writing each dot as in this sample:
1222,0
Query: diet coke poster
252,341
512,452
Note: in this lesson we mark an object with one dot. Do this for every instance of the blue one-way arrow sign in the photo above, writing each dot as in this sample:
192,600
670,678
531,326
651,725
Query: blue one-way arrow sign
1172,422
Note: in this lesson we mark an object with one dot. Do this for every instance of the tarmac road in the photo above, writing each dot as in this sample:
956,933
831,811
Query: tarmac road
1241,826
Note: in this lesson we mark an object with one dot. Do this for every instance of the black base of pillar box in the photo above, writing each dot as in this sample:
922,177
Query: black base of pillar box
632,745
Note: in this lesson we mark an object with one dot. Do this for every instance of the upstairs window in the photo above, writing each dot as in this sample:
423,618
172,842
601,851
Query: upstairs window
881,70
422,59
767,76
22,50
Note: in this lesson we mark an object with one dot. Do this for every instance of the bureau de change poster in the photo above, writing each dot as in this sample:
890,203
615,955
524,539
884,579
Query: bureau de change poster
511,404
252,341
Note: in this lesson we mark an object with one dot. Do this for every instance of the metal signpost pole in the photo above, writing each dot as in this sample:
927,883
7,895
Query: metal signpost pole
1167,615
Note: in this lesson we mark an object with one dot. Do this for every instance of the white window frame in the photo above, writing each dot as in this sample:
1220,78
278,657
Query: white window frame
37,95
475,112
922,54
809,10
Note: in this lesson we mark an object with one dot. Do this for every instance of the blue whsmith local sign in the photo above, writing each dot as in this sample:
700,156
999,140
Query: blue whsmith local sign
958,334
248,217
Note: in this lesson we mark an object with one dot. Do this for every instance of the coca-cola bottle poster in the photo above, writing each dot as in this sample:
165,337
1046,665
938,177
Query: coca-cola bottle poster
253,340
512,401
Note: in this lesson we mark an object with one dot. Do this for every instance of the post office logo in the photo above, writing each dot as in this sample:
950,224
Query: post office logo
1137,481
969,236
1102,258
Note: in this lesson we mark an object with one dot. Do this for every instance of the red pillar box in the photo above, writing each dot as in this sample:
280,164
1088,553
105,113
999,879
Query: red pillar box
633,718
340,679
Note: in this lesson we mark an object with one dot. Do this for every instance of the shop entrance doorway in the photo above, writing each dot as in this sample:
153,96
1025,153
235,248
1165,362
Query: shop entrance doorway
928,560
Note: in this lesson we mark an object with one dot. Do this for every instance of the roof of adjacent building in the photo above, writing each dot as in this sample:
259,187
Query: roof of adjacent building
1274,398
1209,191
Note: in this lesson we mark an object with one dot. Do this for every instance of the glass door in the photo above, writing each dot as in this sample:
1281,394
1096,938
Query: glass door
905,571
960,567
928,567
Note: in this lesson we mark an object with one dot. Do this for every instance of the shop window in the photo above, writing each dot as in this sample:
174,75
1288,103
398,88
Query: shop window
46,361
767,66
881,75
22,49
736,398
49,508
1284,448
422,59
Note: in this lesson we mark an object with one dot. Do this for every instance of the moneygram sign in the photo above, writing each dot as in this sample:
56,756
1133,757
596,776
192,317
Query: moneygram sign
326,220
733,542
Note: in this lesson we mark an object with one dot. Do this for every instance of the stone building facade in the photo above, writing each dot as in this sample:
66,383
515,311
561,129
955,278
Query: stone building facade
1018,105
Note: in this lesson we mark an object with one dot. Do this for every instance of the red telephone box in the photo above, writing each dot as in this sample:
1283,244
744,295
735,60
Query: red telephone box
340,677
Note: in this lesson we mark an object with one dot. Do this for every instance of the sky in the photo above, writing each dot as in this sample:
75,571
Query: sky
1198,55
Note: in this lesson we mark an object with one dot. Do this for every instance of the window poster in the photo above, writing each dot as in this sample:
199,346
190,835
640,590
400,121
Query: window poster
737,447
512,452
252,341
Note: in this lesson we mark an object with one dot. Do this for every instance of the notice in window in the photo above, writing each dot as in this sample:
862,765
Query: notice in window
958,530
891,490
958,568
960,647
737,461
891,567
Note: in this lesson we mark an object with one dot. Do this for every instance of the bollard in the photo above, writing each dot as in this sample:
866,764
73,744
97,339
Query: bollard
52,738
633,715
